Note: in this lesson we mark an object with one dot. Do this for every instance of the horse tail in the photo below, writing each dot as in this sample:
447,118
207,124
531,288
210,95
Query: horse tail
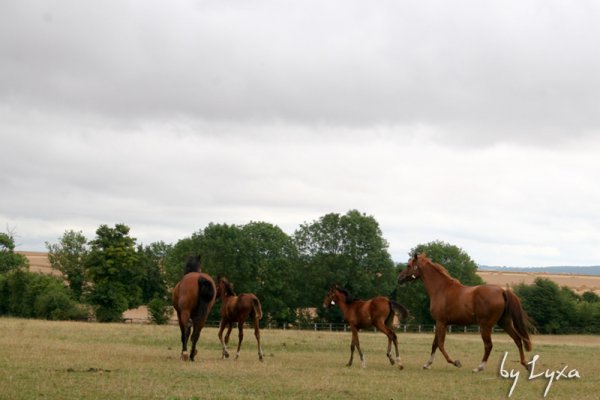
257,308
206,294
520,319
398,309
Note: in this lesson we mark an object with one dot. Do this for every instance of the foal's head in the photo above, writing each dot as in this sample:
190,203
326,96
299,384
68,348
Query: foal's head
412,270
224,287
338,294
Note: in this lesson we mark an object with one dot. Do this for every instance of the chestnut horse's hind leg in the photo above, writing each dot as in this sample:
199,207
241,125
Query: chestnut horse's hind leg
486,336
510,330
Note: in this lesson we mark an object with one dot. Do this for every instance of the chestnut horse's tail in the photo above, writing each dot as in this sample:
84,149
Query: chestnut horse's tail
206,293
519,317
397,309
257,307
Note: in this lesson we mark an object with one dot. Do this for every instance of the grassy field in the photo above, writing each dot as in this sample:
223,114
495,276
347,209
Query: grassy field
74,360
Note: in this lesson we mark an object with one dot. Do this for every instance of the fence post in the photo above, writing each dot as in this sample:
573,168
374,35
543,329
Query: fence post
330,328
419,328
465,329
345,327
405,328
315,327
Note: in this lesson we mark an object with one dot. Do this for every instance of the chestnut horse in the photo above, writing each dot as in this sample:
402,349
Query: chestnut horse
237,309
456,304
377,312
193,298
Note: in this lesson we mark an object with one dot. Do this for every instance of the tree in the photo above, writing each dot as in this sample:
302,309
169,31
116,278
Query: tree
69,257
151,261
459,265
9,260
114,272
348,250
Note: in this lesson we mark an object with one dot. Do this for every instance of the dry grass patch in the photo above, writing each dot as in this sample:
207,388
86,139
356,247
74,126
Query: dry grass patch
71,360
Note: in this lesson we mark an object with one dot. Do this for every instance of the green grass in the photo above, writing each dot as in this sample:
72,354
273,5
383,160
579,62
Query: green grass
71,360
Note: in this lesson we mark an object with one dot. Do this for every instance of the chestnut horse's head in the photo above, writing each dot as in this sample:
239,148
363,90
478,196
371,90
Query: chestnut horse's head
412,270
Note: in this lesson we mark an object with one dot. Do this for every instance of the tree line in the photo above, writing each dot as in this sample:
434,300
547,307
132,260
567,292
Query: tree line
111,273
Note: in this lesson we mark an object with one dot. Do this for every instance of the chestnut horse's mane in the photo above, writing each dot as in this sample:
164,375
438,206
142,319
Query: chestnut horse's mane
440,269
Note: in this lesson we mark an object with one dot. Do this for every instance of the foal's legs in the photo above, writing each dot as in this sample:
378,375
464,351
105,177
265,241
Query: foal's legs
257,335
392,338
241,337
223,344
355,344
486,335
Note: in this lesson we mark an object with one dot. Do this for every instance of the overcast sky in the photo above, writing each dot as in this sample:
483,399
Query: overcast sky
475,123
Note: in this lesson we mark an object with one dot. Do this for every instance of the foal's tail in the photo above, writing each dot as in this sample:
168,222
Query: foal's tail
206,294
398,309
520,319
257,308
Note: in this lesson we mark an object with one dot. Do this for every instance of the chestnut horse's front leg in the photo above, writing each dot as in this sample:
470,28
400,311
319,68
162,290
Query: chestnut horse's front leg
440,333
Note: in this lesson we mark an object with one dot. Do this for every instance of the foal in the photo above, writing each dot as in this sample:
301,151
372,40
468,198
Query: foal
377,312
237,309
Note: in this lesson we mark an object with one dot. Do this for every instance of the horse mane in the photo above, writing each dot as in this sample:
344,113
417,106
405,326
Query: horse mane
228,286
440,268
193,264
349,298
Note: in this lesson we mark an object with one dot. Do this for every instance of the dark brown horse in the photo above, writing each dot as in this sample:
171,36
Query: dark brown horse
237,309
193,298
377,312
452,303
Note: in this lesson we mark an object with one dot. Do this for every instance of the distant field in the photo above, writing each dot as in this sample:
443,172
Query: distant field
77,360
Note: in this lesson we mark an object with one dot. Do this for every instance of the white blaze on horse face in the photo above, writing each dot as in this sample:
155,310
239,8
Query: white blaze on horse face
333,302
413,276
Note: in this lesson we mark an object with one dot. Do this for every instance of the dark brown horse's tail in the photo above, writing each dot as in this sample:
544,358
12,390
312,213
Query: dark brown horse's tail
397,308
206,294
519,317
257,308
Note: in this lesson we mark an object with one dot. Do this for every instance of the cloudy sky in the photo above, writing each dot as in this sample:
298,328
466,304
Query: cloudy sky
476,123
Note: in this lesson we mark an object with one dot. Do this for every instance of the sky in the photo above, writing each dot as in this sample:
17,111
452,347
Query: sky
474,123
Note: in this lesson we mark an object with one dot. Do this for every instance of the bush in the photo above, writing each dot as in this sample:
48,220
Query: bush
159,310
29,295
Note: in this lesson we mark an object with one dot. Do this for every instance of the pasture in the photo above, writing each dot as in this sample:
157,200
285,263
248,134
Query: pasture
77,360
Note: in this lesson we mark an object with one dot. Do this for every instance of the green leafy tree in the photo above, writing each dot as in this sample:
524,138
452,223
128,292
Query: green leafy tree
590,297
113,268
9,260
348,250
151,261
545,305
459,265
69,256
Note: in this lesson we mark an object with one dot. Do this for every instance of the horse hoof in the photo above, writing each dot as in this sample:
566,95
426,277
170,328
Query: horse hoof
427,366
185,356
477,369
457,364
400,367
